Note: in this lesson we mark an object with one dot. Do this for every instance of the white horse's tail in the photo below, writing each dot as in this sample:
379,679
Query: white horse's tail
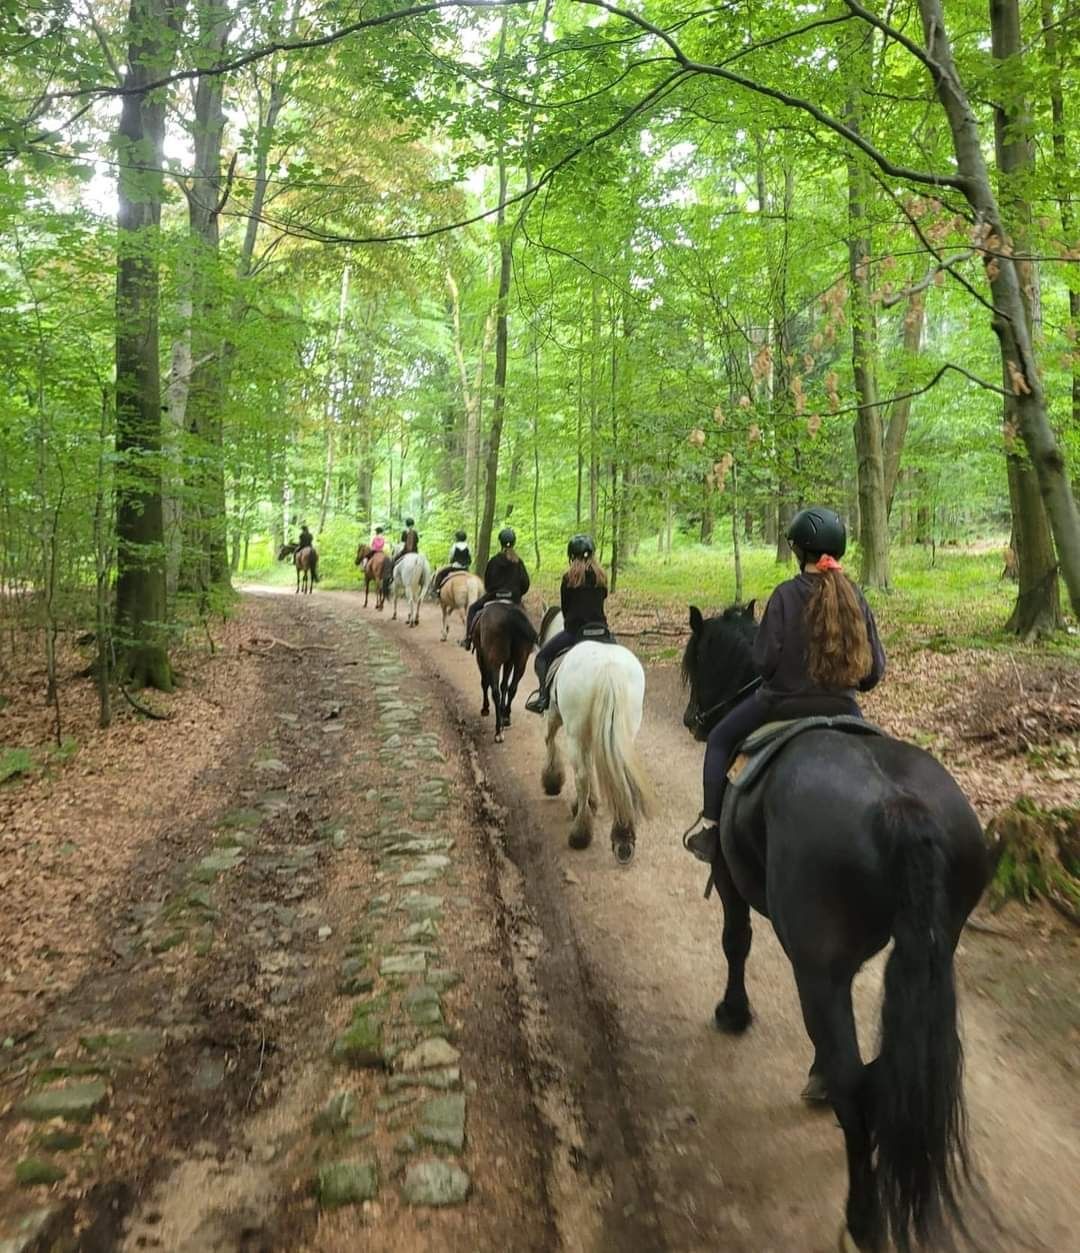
607,740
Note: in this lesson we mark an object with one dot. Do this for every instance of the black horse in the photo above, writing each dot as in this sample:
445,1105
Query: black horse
850,841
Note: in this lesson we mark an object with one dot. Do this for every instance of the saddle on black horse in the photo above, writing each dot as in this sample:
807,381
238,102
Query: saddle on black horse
749,765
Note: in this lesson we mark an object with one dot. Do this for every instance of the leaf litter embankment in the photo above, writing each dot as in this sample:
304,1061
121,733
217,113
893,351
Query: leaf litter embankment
285,1017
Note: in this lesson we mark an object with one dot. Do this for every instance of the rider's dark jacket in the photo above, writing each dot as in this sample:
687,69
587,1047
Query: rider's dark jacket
504,574
583,606
306,539
780,646
411,540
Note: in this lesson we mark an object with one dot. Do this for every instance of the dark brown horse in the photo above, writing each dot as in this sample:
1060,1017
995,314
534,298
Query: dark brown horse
503,638
374,572
306,561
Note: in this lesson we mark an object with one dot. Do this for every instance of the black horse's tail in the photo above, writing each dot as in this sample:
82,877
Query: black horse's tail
518,627
918,1098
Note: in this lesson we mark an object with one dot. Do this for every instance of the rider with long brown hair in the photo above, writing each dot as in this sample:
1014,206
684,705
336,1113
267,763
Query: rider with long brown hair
817,646
581,598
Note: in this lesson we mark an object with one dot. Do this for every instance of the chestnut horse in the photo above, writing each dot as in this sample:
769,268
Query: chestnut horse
306,561
373,572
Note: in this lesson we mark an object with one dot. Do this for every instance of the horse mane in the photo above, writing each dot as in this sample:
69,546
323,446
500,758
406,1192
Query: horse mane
549,616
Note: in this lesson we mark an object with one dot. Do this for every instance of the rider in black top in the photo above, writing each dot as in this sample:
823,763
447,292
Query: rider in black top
790,649
307,540
505,578
409,538
460,559
582,596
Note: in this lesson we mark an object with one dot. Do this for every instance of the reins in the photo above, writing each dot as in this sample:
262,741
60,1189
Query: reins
704,718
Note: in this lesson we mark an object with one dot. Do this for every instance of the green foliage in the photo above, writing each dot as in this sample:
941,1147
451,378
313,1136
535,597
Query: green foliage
1040,856
15,762
678,324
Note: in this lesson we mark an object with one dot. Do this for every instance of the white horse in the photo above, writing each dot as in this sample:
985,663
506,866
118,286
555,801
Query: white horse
597,694
412,574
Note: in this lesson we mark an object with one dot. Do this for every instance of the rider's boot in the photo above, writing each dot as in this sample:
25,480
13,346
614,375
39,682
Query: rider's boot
538,701
704,842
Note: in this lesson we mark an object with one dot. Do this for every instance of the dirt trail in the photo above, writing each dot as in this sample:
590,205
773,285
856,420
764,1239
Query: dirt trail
708,1139
295,1023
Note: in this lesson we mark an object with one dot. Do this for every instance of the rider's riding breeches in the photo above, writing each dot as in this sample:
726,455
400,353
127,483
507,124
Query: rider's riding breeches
734,727
746,717
558,643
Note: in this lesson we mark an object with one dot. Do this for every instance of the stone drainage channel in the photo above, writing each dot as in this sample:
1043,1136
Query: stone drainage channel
371,1104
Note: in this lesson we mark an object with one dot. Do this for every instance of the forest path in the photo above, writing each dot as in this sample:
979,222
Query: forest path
278,1008
733,1158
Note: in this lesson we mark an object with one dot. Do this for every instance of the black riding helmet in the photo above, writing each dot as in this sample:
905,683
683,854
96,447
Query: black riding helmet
818,530
507,538
409,522
580,546
378,530
459,536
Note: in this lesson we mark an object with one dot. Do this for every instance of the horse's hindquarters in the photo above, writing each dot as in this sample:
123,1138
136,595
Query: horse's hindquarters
582,668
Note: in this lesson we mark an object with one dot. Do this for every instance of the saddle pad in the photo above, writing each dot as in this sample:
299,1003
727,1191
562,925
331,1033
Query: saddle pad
762,745
553,669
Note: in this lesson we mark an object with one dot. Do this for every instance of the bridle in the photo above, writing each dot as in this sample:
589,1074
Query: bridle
705,719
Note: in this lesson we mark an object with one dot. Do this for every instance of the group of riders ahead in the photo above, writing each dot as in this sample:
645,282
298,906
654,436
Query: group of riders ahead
816,647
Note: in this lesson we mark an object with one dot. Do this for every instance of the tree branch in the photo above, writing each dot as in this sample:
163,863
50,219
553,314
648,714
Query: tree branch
919,391
783,97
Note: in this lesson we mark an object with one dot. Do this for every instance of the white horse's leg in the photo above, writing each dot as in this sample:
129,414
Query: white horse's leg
581,828
552,777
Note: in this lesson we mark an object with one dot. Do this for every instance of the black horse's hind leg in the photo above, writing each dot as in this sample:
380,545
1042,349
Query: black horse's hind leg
830,1023
511,679
733,1012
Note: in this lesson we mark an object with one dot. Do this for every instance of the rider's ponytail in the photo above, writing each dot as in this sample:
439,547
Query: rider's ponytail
580,569
838,644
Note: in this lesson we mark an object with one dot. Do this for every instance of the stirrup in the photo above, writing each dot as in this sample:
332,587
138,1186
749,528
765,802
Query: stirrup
704,842
536,704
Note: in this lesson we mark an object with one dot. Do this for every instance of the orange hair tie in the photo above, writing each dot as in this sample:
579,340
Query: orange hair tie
827,562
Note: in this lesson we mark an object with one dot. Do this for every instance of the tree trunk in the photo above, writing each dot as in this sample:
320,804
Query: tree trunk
1037,607
869,438
498,404
736,547
1007,281
1063,170
896,431
175,428
206,385
336,384
708,513
140,588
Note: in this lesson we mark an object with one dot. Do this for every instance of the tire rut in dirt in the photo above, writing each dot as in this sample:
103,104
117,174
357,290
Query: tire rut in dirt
580,1021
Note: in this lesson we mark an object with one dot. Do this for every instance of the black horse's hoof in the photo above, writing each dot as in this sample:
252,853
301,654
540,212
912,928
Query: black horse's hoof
731,1021
580,839
815,1092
